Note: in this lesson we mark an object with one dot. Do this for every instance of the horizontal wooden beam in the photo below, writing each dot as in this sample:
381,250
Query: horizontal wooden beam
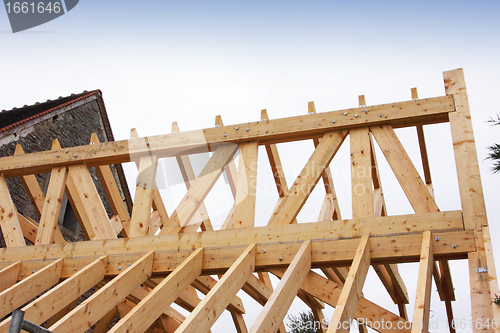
402,114
218,258
375,226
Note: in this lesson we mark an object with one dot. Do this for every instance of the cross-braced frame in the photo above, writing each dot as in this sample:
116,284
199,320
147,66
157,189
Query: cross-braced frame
165,258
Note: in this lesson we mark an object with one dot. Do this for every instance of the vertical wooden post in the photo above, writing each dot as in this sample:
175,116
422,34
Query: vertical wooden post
244,212
472,200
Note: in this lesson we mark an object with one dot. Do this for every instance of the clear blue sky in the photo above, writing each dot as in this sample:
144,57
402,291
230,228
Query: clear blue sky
187,61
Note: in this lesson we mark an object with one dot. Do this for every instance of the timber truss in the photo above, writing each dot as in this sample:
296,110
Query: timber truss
163,259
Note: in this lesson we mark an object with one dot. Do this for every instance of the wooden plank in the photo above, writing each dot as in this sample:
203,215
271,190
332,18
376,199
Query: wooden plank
351,292
471,194
200,188
8,275
101,302
30,229
87,204
409,113
11,230
210,308
229,168
391,226
63,294
330,208
288,209
423,293
367,312
246,188
205,283
52,206
21,292
32,187
239,322
158,204
273,313
361,172
112,192
417,193
152,306
201,217
143,201
103,324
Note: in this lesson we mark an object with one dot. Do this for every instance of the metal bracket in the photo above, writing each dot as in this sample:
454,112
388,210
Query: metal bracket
482,270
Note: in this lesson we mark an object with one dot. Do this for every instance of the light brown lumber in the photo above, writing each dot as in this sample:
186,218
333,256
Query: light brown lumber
246,188
32,187
288,209
87,203
423,293
417,193
351,292
30,229
101,302
409,113
200,188
361,173
50,303
143,200
471,194
8,275
201,217
150,308
112,192
239,322
52,206
384,228
157,204
205,283
61,313
421,143
331,204
212,305
273,313
329,292
492,276
104,323
11,230
23,291
230,168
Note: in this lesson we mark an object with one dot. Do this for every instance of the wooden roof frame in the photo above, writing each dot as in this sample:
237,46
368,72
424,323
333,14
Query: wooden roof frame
140,276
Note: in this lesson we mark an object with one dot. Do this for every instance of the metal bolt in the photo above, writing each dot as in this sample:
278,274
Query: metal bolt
32,271
236,128
74,155
333,121
281,259
129,265
437,238
345,113
92,143
355,116
66,151
57,155
109,261
147,143
454,246
380,115
366,111
263,251
22,275
224,135
239,304
263,119
311,112
119,268
247,129
216,125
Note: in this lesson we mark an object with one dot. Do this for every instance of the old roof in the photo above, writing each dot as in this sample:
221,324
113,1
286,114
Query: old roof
17,116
